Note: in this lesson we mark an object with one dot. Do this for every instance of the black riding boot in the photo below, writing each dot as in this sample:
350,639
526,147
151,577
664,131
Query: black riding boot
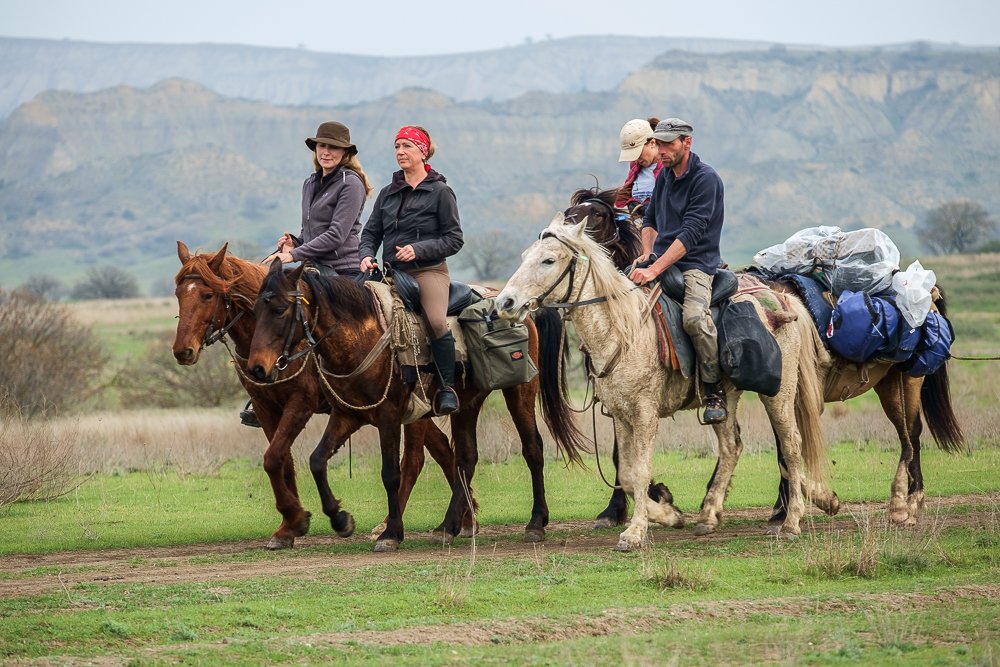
715,404
443,350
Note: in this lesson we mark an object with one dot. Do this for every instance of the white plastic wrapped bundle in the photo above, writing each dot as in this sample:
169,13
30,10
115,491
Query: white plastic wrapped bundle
859,261
913,293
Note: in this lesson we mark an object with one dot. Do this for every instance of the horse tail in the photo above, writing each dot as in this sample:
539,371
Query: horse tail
552,380
935,400
809,399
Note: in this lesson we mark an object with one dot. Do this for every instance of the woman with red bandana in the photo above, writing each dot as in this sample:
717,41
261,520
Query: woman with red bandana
415,220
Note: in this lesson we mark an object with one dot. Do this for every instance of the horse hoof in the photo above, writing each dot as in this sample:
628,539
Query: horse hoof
442,537
378,530
534,535
603,522
385,546
834,506
678,521
911,521
277,543
623,546
347,521
772,529
899,516
470,531
703,529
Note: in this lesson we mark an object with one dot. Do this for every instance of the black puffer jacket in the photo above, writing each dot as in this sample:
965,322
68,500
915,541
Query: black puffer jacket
425,217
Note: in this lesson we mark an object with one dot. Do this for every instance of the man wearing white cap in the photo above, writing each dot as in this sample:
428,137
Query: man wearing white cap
638,147
682,225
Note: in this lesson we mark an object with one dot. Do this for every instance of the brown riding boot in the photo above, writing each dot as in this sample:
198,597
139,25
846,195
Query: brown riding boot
714,403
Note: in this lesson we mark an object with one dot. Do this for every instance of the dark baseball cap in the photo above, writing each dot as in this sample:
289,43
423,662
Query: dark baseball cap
671,128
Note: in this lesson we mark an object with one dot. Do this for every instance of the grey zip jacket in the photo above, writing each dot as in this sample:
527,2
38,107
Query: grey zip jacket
331,220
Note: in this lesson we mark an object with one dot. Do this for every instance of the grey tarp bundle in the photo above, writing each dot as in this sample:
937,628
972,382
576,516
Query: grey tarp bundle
860,261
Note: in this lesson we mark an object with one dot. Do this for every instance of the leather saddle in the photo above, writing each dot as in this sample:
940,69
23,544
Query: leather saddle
724,285
460,295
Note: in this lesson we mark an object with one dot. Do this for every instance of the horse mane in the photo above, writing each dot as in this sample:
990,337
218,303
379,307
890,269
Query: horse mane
625,319
236,277
341,294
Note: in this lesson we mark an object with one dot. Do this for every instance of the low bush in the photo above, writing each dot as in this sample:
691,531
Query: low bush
51,362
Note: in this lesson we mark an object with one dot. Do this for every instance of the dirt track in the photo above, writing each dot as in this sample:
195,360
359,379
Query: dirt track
173,565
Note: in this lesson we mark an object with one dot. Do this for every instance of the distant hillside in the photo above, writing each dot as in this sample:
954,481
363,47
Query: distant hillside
300,77
801,138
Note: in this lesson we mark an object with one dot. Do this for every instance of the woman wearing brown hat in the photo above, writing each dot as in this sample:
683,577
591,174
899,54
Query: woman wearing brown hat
332,199
415,220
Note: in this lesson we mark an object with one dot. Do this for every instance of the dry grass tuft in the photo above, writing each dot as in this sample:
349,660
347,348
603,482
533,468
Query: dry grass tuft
35,464
664,573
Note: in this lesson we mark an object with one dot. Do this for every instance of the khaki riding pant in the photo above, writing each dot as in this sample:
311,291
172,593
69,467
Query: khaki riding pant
697,321
435,283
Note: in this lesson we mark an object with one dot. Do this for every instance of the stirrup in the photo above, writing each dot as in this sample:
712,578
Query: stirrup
249,418
715,410
445,402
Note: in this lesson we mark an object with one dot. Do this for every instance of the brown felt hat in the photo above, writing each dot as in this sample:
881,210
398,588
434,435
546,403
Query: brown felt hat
332,133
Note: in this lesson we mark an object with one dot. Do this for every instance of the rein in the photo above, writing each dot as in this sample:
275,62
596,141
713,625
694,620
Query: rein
313,342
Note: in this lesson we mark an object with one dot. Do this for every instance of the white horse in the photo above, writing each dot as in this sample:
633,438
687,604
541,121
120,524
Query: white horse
611,317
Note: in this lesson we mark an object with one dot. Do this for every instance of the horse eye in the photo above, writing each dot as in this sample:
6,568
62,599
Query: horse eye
207,296
548,260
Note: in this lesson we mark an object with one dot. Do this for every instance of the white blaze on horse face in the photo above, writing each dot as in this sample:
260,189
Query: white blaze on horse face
190,287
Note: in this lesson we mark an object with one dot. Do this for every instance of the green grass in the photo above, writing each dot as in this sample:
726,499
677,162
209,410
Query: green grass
757,595
163,508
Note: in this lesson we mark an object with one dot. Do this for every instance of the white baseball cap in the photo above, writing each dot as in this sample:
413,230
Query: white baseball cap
633,137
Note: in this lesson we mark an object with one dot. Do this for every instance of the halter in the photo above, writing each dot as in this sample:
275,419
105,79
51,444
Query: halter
213,332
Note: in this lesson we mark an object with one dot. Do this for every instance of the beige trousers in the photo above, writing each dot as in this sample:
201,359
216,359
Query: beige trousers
434,281
697,321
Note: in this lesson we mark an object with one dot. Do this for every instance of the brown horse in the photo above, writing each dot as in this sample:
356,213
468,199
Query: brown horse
361,375
215,294
903,398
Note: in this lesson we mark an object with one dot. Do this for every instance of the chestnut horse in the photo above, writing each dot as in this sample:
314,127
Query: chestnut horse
215,295
360,373
903,398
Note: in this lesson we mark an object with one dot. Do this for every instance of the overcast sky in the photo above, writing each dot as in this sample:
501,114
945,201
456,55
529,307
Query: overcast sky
394,27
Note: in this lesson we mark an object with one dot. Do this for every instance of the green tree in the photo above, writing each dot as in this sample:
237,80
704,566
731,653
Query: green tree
956,227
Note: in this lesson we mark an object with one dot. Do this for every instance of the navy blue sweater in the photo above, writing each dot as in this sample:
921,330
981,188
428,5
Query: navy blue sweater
689,208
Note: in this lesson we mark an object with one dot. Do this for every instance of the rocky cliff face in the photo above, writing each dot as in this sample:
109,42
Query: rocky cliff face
801,138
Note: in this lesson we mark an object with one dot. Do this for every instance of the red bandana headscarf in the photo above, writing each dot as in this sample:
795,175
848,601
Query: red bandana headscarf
419,139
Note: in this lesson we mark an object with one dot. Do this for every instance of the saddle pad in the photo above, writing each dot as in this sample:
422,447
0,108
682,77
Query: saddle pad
411,339
676,346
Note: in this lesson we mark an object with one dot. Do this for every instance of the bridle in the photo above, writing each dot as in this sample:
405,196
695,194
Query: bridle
220,313
299,317
536,302
611,217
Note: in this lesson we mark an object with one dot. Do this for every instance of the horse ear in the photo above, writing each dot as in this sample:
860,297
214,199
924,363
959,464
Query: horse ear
558,220
579,229
183,253
216,262
275,266
296,273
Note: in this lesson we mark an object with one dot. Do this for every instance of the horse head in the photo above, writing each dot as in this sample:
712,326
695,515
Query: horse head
613,228
279,315
199,298
548,269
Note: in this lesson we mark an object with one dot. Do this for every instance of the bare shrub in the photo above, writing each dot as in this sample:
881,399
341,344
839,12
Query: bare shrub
50,361
34,464
155,379
106,282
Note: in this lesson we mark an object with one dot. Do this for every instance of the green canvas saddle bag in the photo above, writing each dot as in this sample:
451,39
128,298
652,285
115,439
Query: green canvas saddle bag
497,348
